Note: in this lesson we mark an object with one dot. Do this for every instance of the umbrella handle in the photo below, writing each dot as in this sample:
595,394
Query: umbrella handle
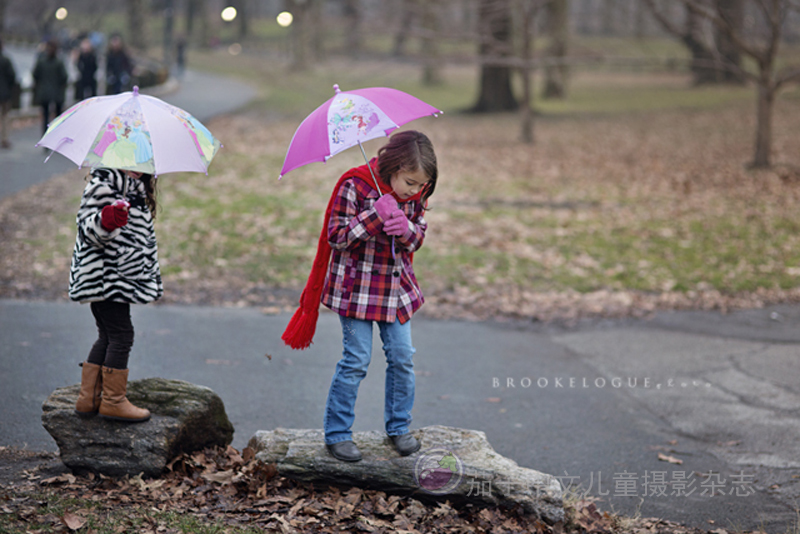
377,188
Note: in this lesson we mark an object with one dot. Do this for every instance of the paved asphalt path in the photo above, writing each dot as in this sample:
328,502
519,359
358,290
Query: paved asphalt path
595,404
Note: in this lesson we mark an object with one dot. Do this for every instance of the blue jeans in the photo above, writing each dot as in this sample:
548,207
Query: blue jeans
352,368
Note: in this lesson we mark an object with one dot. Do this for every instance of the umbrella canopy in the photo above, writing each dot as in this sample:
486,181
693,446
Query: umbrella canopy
349,119
133,132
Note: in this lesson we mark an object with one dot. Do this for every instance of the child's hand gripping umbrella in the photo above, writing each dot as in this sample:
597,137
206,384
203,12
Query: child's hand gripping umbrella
349,118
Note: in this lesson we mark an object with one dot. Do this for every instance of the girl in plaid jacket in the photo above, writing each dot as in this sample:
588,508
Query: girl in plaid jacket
363,271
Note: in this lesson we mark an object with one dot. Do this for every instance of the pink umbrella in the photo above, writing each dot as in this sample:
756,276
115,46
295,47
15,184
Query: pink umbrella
349,119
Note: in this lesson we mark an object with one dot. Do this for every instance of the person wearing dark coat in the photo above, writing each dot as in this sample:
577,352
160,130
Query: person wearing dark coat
86,84
50,83
118,67
8,79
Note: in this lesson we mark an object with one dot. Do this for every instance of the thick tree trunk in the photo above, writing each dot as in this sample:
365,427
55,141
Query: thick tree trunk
704,63
495,80
555,76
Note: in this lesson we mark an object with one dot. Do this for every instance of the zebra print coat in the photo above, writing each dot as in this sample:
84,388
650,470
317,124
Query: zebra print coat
121,265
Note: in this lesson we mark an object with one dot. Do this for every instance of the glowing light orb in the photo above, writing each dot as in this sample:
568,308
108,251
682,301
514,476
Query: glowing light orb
228,14
285,19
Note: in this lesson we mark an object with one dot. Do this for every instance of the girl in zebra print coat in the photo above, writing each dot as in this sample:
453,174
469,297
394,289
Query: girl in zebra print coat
114,265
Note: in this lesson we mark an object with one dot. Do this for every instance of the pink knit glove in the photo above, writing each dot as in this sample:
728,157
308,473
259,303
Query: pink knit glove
397,225
385,206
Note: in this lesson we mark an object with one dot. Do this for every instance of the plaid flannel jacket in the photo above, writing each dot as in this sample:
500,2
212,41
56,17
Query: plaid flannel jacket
363,280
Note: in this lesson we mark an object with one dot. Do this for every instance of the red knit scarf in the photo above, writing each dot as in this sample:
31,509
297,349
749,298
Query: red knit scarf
300,331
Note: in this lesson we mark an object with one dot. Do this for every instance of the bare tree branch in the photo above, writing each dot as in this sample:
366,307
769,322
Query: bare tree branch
696,7
663,19
787,75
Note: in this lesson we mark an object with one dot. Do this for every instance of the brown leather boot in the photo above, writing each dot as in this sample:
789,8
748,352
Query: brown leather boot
91,388
114,404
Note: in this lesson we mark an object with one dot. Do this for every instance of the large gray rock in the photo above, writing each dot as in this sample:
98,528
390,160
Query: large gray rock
456,464
186,418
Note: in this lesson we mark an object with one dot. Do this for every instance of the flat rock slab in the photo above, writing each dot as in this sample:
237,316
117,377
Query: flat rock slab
453,463
185,418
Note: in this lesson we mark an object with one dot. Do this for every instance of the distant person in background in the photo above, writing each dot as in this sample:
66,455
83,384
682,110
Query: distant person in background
118,67
180,55
86,84
8,79
49,82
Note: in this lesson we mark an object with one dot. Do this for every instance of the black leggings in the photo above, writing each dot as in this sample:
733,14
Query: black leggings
114,334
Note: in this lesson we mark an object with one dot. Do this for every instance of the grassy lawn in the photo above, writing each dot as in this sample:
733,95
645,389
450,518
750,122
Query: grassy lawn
636,189
637,182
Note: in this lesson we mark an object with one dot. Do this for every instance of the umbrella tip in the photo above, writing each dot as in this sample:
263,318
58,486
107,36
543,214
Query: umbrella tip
135,90
336,88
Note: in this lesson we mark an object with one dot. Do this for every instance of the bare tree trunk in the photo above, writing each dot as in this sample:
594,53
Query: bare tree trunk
299,32
639,20
495,81
732,11
3,4
169,42
137,26
608,16
315,18
528,12
407,14
555,76
243,9
352,14
190,13
704,64
431,74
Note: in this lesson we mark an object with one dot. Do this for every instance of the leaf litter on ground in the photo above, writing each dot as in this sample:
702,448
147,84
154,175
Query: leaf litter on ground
232,491
610,216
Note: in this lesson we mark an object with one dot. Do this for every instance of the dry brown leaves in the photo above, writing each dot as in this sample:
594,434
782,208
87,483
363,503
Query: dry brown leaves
231,489
617,170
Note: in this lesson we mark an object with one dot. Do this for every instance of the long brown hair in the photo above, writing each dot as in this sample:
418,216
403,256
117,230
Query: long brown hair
409,151
151,192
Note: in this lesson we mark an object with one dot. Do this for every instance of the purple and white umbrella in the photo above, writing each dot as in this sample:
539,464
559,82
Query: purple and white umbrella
133,132
349,119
